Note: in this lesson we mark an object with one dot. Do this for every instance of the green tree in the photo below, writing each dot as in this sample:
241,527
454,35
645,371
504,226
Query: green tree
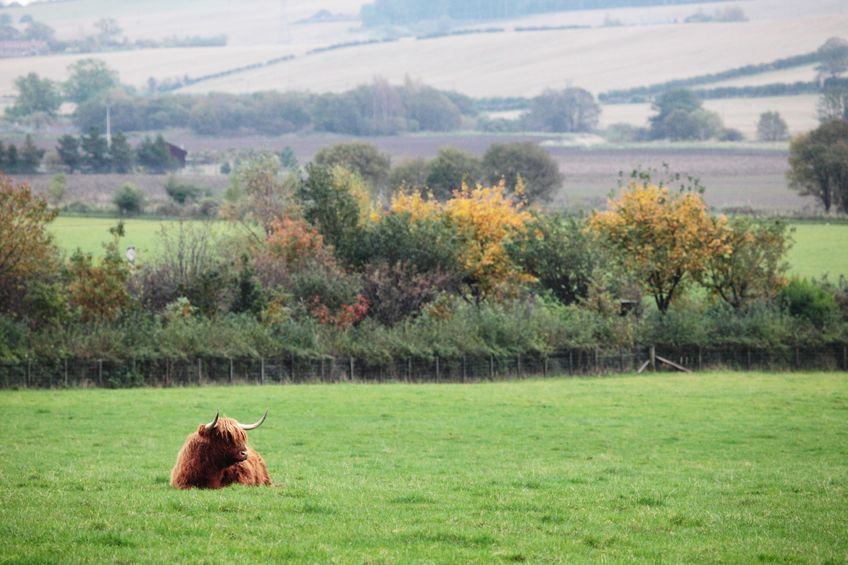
568,110
89,80
772,127
38,31
154,155
69,152
30,156
35,95
121,154
560,254
409,173
129,200
833,104
526,161
753,266
95,152
11,162
362,158
681,102
109,31
818,162
56,189
449,169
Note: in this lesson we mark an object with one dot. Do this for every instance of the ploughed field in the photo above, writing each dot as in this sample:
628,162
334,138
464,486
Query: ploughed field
713,467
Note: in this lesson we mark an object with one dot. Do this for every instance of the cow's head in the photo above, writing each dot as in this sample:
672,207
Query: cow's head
226,439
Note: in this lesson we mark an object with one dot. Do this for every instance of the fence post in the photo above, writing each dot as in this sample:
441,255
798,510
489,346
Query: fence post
797,357
100,372
597,364
545,366
66,372
231,370
409,369
292,373
262,370
571,362
464,369
748,352
350,375
437,368
199,371
845,357
491,366
620,360
700,360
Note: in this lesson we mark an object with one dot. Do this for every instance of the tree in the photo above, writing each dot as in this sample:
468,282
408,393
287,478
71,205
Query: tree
95,152
97,290
155,156
673,107
487,219
450,169
69,152
832,57
30,156
818,162
833,104
526,163
89,80
109,30
260,195
38,31
56,189
752,267
121,154
362,158
35,95
772,127
409,174
430,110
559,253
663,238
129,200
27,250
568,110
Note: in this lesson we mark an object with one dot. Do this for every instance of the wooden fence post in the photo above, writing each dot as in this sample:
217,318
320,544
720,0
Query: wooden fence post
545,366
199,371
653,355
66,372
231,370
350,375
571,362
491,366
100,372
464,369
262,370
437,368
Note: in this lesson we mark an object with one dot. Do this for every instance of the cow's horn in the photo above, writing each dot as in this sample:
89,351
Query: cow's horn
256,425
214,422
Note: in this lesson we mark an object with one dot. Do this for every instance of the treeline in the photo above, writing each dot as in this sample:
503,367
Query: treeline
646,93
25,160
394,12
322,270
378,108
92,153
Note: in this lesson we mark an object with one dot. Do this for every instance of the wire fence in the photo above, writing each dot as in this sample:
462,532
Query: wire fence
78,372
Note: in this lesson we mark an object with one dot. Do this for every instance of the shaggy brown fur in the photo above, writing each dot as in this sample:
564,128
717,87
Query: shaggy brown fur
217,458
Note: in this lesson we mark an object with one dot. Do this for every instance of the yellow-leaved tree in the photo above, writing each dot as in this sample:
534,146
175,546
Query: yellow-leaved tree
664,238
486,219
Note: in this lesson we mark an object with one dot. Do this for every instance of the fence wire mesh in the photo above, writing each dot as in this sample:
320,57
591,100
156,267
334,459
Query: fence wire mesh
76,372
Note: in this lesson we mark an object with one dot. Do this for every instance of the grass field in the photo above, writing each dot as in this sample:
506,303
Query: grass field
819,249
90,234
710,468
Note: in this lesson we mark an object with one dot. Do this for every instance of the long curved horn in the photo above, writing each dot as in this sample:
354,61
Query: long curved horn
256,425
214,422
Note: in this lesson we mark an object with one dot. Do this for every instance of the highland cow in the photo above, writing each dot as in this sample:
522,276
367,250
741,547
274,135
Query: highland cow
217,455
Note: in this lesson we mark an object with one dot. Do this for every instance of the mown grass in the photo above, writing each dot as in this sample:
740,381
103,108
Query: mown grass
717,467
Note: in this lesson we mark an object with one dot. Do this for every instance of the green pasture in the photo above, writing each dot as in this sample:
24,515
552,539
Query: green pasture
820,249
718,467
90,234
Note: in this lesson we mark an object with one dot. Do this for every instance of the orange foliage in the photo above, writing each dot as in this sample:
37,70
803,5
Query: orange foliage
662,237
488,219
293,239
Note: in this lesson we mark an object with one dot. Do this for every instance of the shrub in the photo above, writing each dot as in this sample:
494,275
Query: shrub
806,299
129,199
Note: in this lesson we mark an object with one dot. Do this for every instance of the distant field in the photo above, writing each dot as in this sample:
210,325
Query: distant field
820,249
719,467
524,64
740,113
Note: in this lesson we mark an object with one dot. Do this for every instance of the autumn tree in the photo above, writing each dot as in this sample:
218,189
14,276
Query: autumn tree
28,254
97,289
818,162
486,219
752,265
664,238
260,194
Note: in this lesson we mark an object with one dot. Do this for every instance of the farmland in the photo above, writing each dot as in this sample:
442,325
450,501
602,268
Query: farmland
714,467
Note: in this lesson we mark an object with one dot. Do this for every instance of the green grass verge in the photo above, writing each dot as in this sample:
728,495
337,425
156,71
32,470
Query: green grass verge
716,467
